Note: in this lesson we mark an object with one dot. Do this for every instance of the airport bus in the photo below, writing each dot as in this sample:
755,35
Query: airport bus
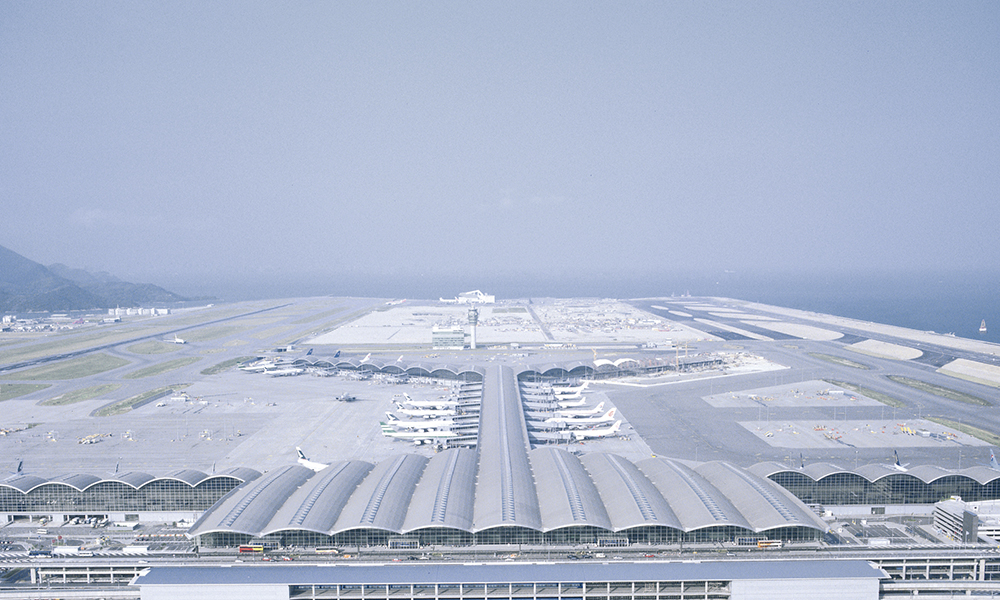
327,550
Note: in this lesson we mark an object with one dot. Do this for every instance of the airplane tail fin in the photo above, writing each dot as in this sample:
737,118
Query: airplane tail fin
802,461
610,414
599,407
310,352
993,461
302,455
337,355
616,426
390,416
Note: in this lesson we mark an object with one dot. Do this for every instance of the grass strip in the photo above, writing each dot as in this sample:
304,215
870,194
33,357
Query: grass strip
13,390
214,332
868,393
80,395
163,367
981,434
123,406
937,390
317,317
838,360
226,365
74,368
153,347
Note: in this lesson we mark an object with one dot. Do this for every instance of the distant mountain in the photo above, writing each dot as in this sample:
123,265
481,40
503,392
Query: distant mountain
26,285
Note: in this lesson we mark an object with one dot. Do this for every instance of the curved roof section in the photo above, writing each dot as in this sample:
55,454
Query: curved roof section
571,498
695,501
248,508
445,495
874,472
78,481
505,491
316,505
763,503
636,501
381,499
24,483
135,479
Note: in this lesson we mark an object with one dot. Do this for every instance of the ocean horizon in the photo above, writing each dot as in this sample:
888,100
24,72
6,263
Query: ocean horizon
948,302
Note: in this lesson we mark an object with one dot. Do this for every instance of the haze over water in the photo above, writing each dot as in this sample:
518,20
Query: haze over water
954,302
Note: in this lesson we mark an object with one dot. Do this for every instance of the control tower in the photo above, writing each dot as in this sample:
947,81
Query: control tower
473,319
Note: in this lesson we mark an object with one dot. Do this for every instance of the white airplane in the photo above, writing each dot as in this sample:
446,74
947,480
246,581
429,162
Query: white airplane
286,372
418,437
897,466
570,403
439,403
395,421
572,421
177,340
581,412
305,462
424,412
258,367
598,433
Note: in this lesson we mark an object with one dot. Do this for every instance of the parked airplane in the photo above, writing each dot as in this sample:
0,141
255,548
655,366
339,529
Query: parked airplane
897,466
305,462
418,437
439,403
573,421
395,421
424,412
17,473
581,412
561,395
258,366
598,433
286,372
571,403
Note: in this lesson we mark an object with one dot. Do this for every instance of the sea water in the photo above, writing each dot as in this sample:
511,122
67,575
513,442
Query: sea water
944,302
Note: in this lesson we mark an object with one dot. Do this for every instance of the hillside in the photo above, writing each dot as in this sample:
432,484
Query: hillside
29,286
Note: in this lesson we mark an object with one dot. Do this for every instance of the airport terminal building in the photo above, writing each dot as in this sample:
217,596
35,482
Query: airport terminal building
504,492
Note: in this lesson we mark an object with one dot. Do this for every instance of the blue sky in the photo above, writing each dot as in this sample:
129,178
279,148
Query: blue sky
318,138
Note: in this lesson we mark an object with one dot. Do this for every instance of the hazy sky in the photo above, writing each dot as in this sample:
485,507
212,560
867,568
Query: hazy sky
148,138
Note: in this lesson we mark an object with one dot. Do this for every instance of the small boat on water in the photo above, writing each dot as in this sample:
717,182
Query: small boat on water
982,326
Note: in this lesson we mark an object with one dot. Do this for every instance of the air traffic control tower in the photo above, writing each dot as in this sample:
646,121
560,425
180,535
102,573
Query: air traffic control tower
473,320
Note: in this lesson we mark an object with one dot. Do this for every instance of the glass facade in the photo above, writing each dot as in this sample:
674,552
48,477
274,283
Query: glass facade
506,536
898,488
158,495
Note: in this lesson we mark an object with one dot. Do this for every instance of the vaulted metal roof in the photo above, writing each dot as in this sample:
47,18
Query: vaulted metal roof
763,503
637,502
381,499
505,489
571,498
445,494
316,505
695,501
